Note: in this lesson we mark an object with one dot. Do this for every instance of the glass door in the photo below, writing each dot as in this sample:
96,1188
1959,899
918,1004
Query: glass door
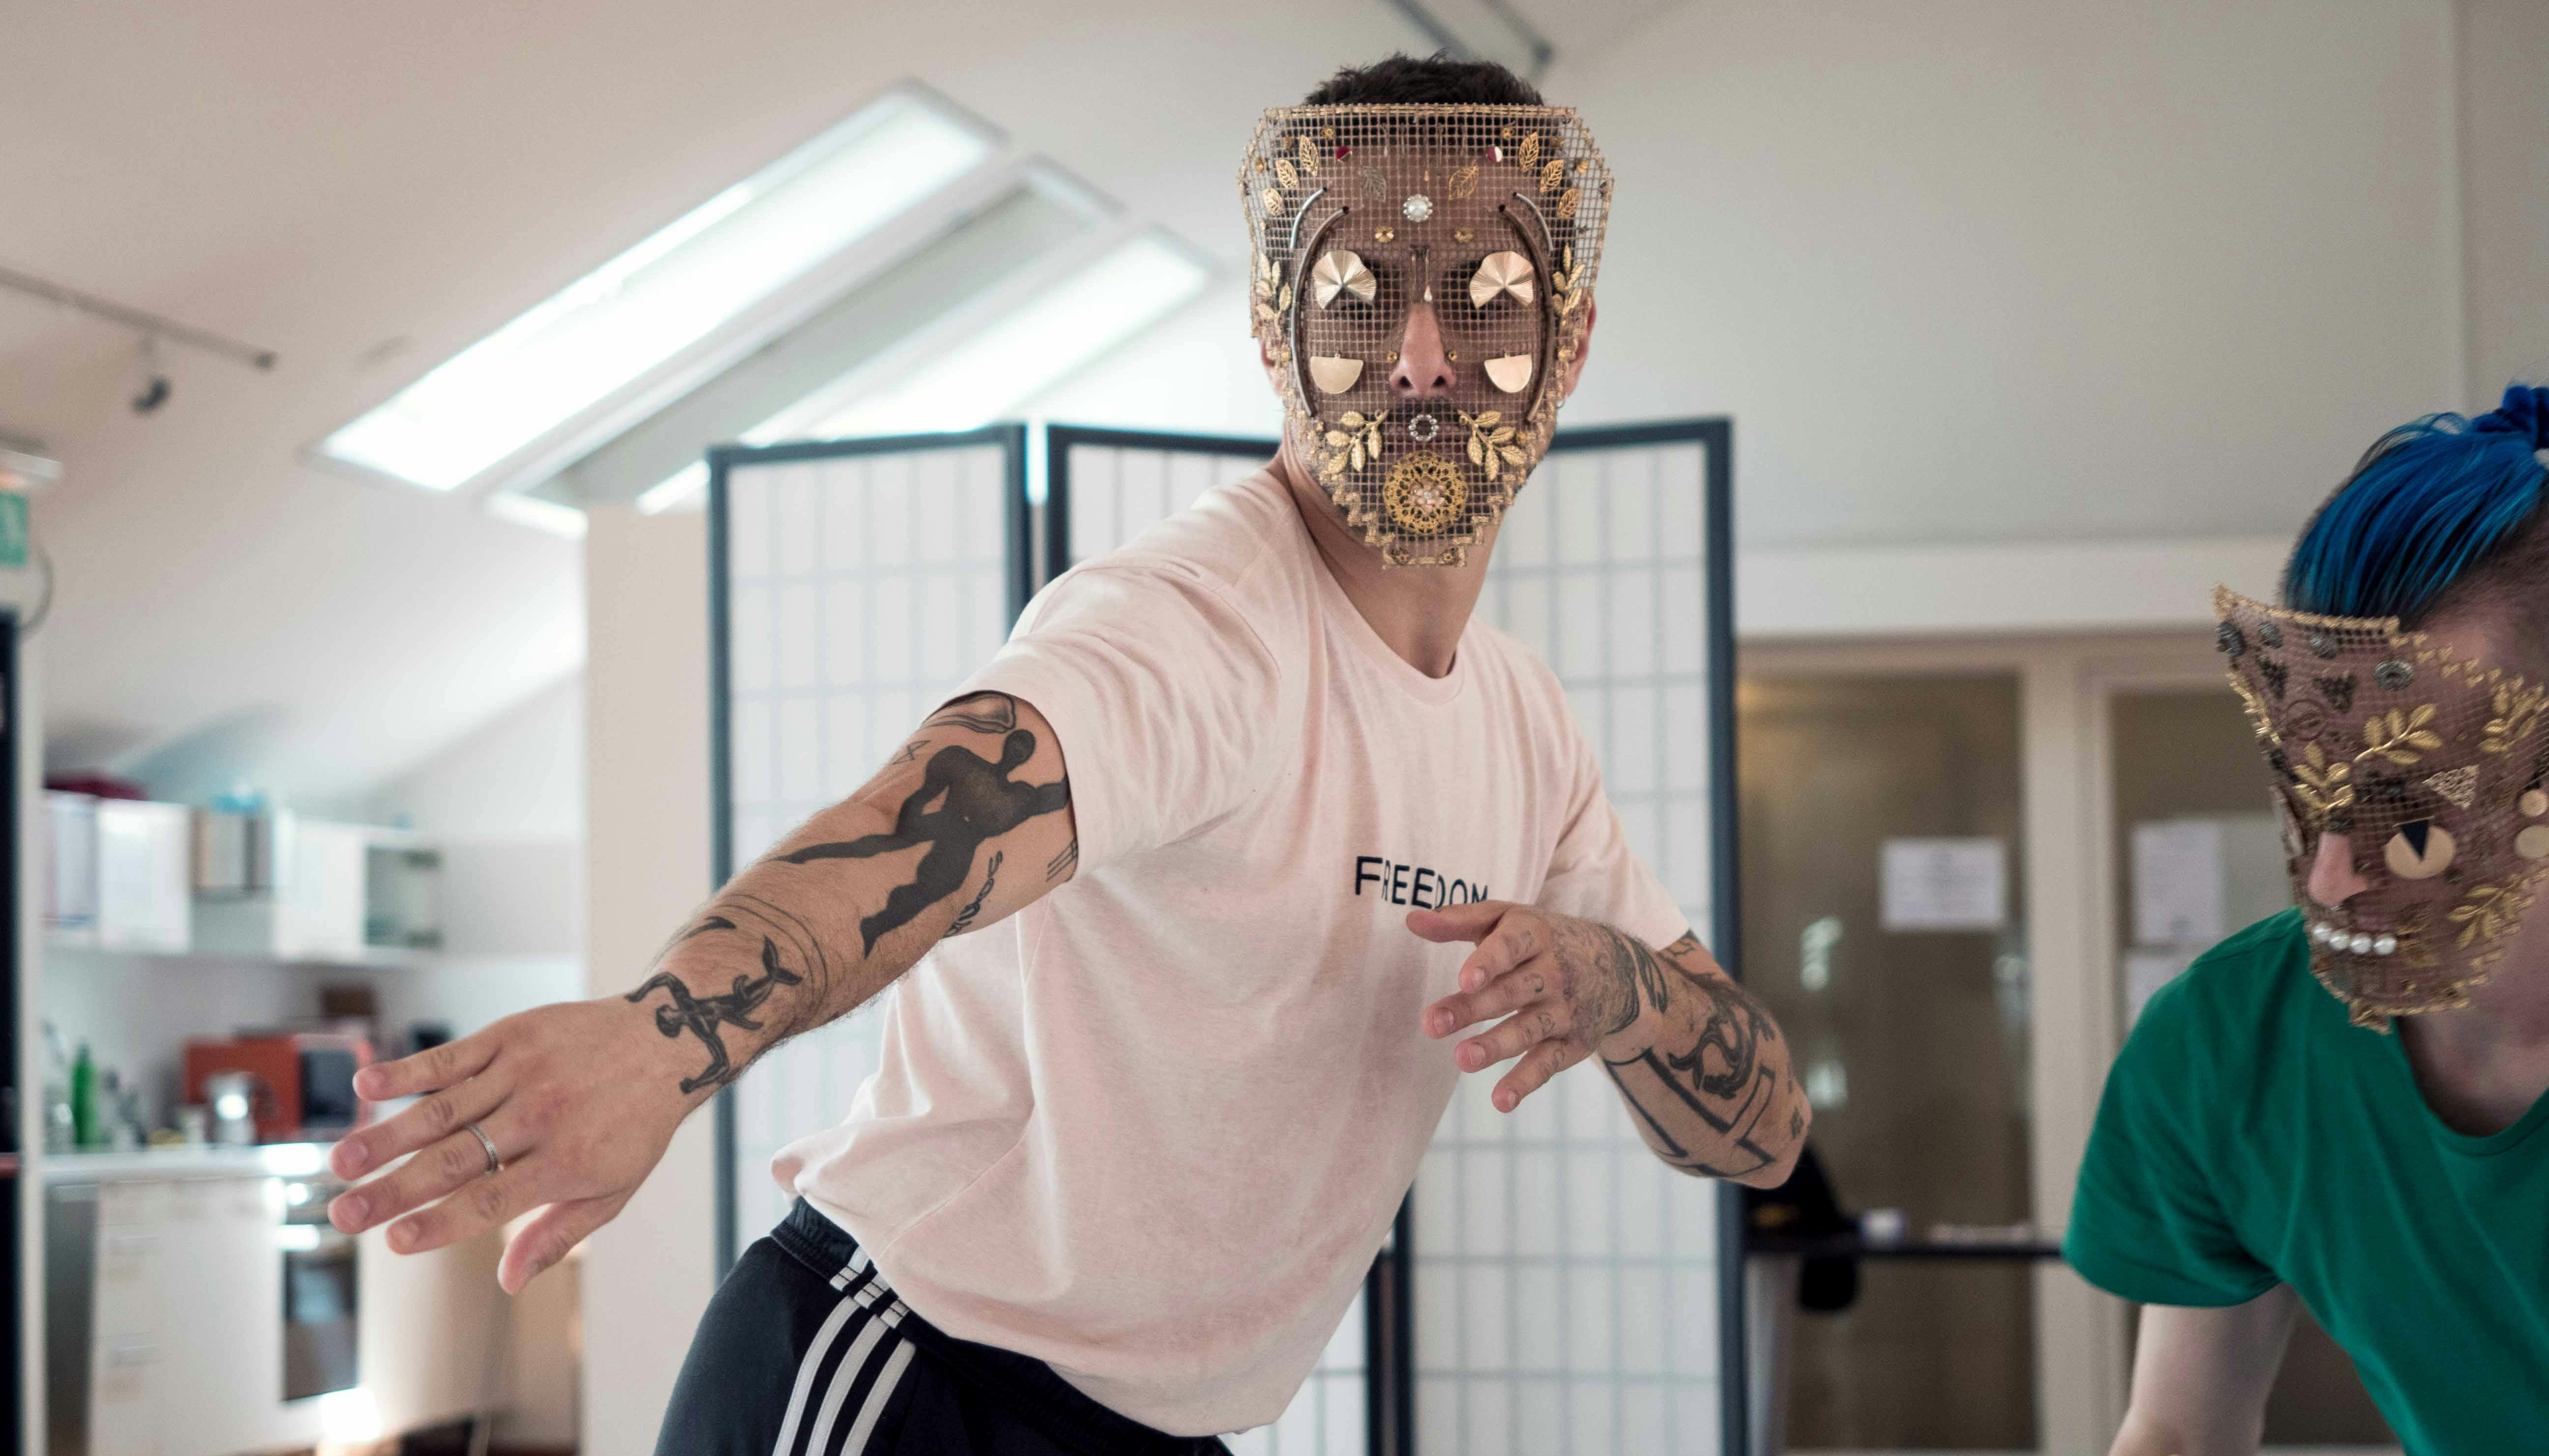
2198,855
1886,929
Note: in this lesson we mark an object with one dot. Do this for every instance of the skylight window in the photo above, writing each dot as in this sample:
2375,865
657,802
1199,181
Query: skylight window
973,380
604,333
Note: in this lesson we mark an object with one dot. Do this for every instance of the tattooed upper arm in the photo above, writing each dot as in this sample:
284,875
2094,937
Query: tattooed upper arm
990,790
947,837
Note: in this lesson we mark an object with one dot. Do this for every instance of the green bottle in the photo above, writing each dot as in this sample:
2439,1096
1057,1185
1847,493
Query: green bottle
85,1131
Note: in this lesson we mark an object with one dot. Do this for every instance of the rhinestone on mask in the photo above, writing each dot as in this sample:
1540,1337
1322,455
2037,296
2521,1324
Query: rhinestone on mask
2230,640
2270,634
1423,427
1417,207
2394,675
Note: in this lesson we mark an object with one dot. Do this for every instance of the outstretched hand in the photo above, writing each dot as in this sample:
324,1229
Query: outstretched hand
1563,986
578,1099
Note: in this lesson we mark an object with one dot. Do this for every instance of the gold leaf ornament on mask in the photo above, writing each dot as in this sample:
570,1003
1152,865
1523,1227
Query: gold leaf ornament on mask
1340,273
2321,787
1492,446
2401,735
1499,274
1357,443
2518,713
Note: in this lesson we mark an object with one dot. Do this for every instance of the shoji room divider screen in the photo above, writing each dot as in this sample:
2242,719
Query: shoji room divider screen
1551,1287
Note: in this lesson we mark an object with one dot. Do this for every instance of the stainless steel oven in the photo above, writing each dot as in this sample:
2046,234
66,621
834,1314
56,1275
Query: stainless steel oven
320,1293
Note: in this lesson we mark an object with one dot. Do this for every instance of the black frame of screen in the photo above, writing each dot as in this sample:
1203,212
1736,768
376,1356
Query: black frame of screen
1390,1289
1389,1354
1715,435
726,1246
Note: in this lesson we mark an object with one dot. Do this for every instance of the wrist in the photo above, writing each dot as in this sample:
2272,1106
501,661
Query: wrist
1641,1035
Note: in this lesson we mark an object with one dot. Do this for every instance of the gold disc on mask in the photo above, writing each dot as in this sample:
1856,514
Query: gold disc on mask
1425,495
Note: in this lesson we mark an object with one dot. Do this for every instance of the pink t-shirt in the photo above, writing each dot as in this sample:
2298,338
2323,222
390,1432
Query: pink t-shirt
1153,1128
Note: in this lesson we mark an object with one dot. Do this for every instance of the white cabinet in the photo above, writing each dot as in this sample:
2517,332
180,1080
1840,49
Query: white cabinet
144,895
187,1338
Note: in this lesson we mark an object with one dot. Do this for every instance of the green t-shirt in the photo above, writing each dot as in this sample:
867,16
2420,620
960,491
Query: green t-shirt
2250,1136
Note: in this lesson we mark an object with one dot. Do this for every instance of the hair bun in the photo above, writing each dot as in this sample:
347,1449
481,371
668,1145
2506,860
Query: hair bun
2524,412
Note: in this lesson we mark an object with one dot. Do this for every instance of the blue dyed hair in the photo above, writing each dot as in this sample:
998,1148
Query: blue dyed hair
2429,503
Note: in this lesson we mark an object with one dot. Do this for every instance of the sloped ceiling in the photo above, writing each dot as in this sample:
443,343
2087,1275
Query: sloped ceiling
365,189
1959,276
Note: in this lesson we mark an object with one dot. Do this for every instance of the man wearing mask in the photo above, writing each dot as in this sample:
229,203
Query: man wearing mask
2375,1150
1160,1063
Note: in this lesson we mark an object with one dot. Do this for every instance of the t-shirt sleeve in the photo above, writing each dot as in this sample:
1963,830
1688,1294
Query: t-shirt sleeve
1594,875
1165,700
2147,1219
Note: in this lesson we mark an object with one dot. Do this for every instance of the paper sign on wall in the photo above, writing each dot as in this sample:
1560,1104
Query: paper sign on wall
2179,874
1944,885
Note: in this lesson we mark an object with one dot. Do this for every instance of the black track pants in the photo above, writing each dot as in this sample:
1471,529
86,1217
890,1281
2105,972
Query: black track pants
804,1351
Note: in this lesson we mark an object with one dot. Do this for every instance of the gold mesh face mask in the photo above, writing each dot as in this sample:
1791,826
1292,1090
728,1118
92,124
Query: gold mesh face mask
2429,765
1491,218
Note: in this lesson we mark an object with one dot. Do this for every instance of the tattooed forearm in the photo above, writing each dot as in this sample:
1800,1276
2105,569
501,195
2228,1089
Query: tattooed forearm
1712,1093
964,920
705,1016
963,800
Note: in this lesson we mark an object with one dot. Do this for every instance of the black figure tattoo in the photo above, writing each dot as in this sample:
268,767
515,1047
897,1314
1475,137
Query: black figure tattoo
964,920
1720,1077
1064,862
703,1016
976,802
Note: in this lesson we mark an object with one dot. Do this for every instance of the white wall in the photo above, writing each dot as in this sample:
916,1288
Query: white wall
1968,270
2504,191
518,776
646,1276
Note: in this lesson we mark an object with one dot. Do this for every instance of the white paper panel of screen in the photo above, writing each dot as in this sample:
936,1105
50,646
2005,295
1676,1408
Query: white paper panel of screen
1566,1279
1118,491
861,590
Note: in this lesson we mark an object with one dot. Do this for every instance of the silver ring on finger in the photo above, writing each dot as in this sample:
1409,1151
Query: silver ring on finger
495,1162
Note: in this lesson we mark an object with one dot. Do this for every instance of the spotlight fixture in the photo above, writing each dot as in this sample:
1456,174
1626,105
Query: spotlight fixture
155,387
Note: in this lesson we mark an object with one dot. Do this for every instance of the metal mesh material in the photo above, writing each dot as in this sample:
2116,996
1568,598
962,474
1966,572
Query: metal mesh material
861,590
1485,221
2430,764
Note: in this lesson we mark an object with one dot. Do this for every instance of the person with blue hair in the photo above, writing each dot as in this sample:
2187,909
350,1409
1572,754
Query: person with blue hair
2262,1147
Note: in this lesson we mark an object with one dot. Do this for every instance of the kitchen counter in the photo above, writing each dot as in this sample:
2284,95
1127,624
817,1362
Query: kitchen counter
262,1160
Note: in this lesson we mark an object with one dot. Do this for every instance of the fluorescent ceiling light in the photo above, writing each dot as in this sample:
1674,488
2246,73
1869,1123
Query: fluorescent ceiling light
1016,356
609,328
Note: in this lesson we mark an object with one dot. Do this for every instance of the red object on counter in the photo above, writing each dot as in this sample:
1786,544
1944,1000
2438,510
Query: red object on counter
305,1080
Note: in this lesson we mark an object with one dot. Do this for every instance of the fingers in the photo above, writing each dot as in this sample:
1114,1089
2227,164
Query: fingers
1457,922
452,1162
1511,991
1518,934
479,1205
1533,1072
429,1070
1512,1037
427,1121
551,1236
